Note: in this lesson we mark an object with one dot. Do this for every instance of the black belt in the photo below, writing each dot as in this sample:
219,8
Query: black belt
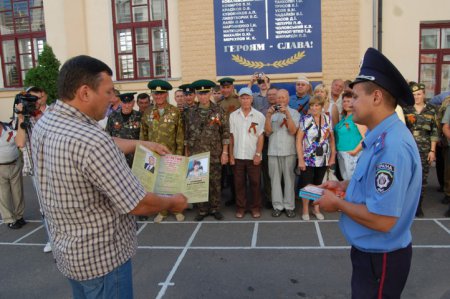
9,163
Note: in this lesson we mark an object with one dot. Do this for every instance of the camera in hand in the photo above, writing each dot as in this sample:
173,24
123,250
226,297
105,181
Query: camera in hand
29,108
259,77
276,107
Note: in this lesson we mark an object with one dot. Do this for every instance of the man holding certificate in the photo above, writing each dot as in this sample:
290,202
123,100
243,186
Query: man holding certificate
207,130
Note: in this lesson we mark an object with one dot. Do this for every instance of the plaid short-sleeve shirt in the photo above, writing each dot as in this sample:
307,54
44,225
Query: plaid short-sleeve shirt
87,191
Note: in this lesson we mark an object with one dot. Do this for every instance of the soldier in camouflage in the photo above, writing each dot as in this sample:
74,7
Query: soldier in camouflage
207,130
421,121
125,122
163,124
229,103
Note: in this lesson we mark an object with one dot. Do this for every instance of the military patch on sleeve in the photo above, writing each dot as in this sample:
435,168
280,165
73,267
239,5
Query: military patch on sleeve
384,177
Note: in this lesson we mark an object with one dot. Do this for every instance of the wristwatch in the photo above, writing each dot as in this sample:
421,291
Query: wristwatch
258,154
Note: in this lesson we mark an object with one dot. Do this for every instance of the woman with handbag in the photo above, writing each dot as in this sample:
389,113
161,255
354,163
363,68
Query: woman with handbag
315,149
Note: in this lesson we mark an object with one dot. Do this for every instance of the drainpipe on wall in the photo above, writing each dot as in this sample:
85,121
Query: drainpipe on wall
374,23
380,25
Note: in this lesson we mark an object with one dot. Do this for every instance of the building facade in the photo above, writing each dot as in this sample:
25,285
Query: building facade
176,39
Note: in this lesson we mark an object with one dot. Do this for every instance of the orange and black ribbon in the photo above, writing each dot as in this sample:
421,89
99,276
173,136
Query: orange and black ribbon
10,135
156,115
347,126
252,126
36,113
215,120
411,118
327,133
284,123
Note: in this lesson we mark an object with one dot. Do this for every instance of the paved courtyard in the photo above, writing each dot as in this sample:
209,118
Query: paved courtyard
266,258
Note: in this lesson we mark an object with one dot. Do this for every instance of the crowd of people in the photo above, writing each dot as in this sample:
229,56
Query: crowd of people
270,141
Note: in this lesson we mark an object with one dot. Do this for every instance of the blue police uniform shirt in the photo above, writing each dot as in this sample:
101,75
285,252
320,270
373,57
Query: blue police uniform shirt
388,180
295,102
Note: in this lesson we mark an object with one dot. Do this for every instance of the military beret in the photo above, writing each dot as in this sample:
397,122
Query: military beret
417,86
127,97
376,68
203,85
160,86
186,88
226,81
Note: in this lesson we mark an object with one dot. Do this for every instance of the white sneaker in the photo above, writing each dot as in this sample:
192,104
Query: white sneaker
159,218
305,217
48,247
319,216
179,217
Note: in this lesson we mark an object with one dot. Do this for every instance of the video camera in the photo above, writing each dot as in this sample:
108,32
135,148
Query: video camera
28,102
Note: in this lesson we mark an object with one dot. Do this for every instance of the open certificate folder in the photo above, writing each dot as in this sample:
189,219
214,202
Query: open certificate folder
171,174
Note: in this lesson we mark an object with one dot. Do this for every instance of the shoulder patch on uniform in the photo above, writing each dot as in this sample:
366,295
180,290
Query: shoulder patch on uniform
384,177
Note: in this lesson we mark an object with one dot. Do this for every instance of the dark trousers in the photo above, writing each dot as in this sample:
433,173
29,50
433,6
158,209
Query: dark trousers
241,169
380,275
440,164
267,186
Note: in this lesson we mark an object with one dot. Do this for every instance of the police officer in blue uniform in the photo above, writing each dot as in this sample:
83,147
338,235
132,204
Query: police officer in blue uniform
381,199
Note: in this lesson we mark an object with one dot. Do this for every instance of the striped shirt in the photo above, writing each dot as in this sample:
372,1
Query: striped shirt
87,191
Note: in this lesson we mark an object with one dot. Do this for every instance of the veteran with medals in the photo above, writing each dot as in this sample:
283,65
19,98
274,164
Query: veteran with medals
207,130
379,203
125,122
163,124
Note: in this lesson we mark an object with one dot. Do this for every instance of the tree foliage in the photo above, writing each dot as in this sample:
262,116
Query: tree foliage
45,74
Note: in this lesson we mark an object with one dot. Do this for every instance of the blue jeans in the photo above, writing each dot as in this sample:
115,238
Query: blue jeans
116,284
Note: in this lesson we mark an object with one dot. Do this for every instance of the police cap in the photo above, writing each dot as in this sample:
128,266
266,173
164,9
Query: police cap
226,81
203,86
159,86
127,97
376,68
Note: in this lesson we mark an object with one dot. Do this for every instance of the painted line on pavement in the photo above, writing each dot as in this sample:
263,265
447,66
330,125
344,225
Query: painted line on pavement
30,233
442,226
168,282
319,234
255,234
141,229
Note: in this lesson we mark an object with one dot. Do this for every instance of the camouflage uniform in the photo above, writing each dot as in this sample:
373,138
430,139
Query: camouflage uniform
229,104
207,131
124,126
423,126
166,128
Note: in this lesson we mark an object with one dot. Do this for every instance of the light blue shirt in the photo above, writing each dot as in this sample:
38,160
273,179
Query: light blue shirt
295,102
438,99
388,180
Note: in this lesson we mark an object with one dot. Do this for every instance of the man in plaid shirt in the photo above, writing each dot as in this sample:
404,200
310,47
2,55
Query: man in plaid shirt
89,194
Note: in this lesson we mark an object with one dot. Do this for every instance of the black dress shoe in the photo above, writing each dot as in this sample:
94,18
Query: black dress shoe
230,202
200,217
290,213
21,221
143,218
217,215
14,225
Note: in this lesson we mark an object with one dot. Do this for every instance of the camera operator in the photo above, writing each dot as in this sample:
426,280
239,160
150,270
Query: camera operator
29,106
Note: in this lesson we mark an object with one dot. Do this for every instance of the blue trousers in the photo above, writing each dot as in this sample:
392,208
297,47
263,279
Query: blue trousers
380,275
117,284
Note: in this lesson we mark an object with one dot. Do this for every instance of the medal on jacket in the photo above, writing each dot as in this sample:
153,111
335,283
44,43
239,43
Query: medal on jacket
252,126
215,120
117,125
284,123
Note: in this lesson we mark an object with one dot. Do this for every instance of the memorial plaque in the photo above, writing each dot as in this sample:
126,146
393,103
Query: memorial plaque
271,36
